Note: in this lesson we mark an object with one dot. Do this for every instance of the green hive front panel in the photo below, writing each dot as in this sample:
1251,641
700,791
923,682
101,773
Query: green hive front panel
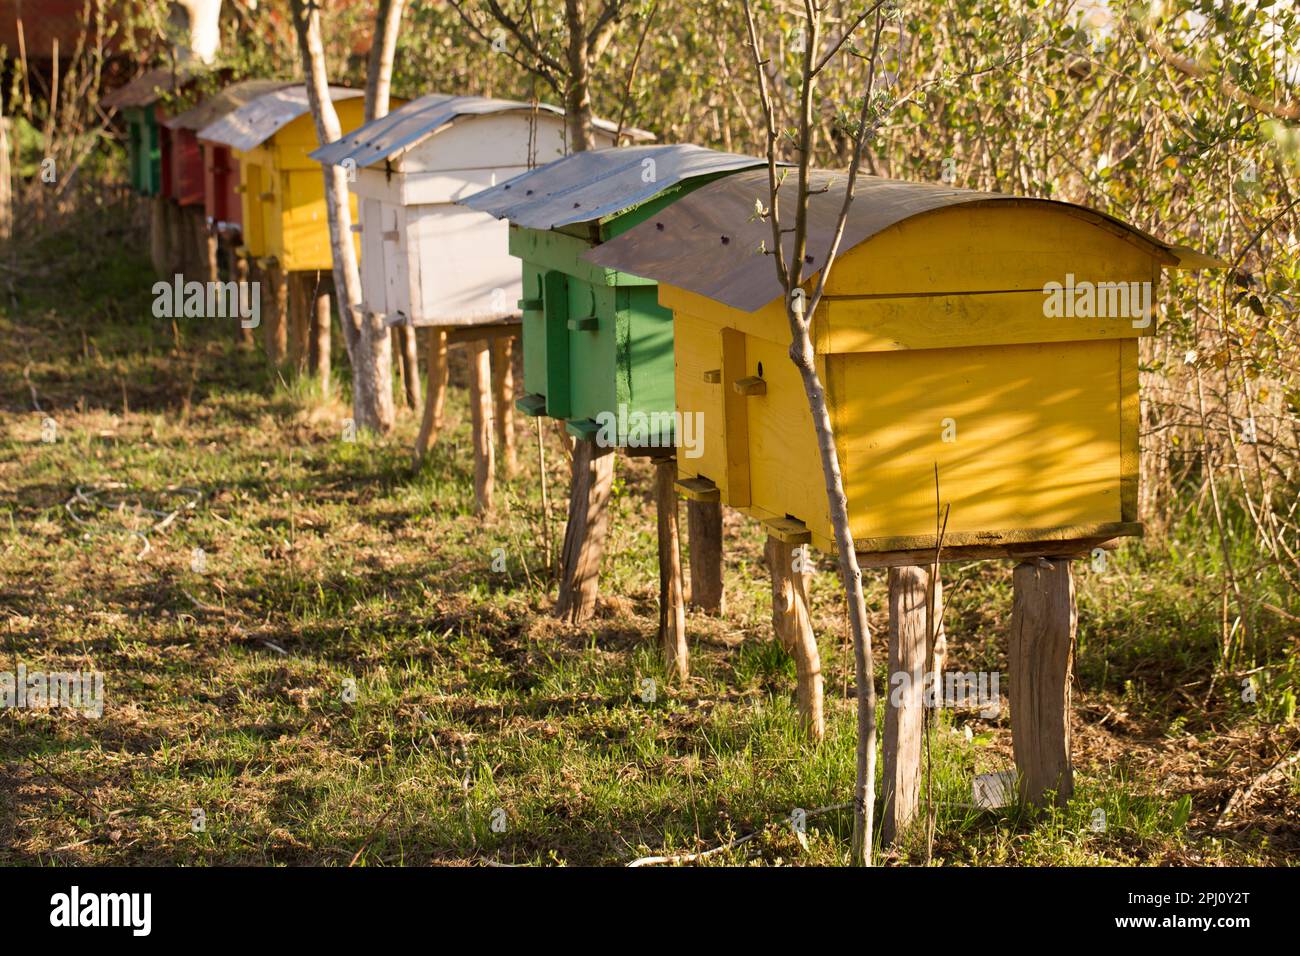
595,341
144,153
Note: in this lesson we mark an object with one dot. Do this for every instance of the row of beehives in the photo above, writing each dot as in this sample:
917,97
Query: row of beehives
648,308
652,320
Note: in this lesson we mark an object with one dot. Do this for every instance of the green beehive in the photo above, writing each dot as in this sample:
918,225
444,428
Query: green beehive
138,102
598,347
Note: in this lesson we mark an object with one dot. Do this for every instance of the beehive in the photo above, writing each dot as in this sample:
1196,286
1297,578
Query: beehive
428,261
138,102
941,358
282,192
596,340
205,173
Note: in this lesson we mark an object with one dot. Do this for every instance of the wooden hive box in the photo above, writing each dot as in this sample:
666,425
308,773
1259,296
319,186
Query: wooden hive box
940,349
596,340
141,109
282,192
426,260
205,173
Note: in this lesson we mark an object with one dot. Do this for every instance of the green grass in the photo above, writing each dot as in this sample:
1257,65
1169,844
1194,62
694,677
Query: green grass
333,567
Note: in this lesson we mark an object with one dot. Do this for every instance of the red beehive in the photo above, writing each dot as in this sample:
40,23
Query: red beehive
203,172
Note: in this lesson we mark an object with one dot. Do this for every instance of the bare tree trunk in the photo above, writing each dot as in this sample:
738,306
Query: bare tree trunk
379,74
364,336
577,90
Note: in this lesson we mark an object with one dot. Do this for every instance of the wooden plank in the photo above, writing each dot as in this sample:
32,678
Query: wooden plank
704,532
698,489
1027,542
503,382
531,405
436,395
749,385
320,345
1043,620
793,627
585,532
1129,424
555,292
884,324
735,419
457,334
480,406
788,530
905,708
275,308
672,606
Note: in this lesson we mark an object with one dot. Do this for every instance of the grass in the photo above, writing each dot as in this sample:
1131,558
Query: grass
343,677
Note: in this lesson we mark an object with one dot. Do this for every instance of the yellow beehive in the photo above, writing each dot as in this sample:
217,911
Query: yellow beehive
282,191
941,352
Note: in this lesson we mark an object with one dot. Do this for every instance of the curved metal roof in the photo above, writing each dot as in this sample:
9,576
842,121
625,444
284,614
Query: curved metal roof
148,88
593,185
208,111
255,122
711,242
413,122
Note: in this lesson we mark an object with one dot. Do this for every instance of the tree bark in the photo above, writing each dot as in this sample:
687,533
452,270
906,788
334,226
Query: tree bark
672,606
577,89
364,336
905,711
704,532
584,534
503,388
436,396
383,46
275,310
480,406
793,626
1043,623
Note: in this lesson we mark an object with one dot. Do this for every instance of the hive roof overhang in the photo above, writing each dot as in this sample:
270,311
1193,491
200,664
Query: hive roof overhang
258,120
595,185
225,101
410,124
149,87
712,242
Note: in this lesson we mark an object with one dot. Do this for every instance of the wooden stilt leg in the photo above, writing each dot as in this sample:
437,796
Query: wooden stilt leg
275,313
504,395
793,628
584,535
243,275
436,396
1043,620
480,404
320,349
211,246
672,606
704,526
905,712
299,320
158,235
410,365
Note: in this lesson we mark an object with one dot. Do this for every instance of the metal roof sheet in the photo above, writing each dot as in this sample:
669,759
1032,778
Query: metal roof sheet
211,109
596,184
255,122
149,87
410,124
711,242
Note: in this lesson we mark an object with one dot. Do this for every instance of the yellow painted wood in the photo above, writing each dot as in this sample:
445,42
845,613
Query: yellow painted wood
788,530
735,420
697,344
750,385
1130,420
1038,441
985,249
952,321
283,194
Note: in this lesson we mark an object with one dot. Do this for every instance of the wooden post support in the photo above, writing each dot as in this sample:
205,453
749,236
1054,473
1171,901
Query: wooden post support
704,530
905,711
6,184
410,365
275,309
504,394
789,568
211,247
480,406
436,395
584,534
158,226
672,605
320,341
299,321
1043,622
243,273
